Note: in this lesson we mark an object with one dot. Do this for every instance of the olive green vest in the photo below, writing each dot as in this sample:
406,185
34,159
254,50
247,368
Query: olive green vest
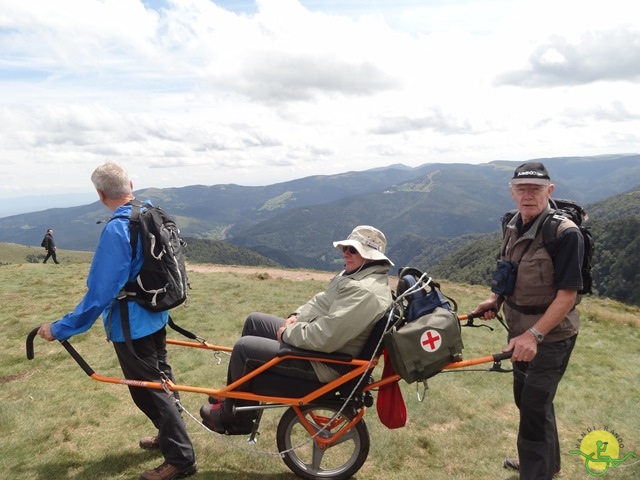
534,288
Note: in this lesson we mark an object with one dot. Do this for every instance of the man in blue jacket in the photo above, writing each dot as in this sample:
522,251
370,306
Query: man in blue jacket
114,265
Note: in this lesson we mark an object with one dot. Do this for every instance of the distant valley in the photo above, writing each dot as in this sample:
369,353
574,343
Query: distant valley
426,212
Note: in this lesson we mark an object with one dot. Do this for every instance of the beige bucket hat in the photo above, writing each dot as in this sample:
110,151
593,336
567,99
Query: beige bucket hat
369,241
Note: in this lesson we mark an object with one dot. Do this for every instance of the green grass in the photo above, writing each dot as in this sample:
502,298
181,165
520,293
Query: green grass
57,423
13,253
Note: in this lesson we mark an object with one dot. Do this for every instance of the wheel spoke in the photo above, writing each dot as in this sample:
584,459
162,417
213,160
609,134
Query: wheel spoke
317,456
351,435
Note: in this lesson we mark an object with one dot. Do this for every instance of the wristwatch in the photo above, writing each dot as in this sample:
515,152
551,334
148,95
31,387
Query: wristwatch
537,335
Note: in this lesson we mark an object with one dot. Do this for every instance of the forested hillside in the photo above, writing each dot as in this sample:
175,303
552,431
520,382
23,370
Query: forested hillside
223,253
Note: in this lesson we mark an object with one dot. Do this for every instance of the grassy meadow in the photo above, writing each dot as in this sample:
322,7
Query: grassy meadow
13,253
57,423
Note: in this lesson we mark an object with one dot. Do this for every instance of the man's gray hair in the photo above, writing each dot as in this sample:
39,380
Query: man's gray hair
111,179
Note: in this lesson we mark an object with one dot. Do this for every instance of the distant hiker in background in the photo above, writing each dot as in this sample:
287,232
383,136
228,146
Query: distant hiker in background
50,246
114,264
538,294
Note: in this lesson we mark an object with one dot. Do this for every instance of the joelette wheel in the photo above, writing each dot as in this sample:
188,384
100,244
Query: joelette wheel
308,459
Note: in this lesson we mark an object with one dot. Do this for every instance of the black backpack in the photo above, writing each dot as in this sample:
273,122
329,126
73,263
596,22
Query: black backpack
561,209
162,282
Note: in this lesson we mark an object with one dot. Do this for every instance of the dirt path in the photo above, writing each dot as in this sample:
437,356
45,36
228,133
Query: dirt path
272,272
287,274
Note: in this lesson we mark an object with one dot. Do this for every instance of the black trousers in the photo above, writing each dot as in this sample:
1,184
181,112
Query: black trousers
52,254
534,387
157,405
257,345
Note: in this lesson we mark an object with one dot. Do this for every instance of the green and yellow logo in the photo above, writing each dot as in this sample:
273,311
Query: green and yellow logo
601,450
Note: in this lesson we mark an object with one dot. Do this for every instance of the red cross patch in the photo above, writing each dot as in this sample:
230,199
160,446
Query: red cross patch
431,340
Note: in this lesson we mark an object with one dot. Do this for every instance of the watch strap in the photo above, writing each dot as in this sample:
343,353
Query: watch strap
537,334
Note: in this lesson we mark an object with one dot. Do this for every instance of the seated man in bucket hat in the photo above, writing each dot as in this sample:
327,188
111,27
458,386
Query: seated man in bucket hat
338,319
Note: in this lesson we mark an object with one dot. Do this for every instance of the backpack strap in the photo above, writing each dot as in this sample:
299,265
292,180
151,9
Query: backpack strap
550,229
134,226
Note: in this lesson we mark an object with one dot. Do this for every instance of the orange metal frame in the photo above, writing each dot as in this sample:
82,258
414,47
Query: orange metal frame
231,390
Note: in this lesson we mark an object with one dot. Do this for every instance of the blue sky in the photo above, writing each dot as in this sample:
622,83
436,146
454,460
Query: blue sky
204,92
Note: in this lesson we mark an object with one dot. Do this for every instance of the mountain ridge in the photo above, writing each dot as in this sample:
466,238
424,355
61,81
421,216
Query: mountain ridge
295,222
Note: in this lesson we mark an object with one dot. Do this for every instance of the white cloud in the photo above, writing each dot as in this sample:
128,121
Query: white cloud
203,92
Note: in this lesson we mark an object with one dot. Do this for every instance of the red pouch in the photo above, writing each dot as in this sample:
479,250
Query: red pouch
390,405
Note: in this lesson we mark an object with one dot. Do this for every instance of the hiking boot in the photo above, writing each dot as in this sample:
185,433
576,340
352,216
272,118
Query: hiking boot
149,443
169,472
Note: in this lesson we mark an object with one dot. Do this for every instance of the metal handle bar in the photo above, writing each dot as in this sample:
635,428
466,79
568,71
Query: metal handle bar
72,351
472,316
30,337
502,356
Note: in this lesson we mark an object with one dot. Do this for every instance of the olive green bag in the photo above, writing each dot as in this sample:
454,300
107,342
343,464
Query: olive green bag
420,349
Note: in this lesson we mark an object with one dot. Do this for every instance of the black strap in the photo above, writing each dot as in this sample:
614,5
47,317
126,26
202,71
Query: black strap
126,332
134,226
526,309
134,229
181,330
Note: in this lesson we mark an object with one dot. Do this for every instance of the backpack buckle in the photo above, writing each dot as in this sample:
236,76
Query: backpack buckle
123,294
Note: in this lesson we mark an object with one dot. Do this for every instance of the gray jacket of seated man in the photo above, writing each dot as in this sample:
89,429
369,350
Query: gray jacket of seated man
341,318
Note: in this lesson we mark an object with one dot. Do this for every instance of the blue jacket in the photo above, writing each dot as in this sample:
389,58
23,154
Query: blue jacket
111,268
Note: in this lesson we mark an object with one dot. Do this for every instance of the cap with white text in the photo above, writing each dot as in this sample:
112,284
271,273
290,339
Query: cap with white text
531,173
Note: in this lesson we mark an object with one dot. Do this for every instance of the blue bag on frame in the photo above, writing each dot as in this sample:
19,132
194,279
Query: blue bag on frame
422,302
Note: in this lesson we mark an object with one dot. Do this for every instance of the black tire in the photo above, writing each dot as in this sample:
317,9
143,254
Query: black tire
338,462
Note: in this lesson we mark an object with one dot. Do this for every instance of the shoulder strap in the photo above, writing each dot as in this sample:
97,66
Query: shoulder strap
506,218
550,228
134,226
